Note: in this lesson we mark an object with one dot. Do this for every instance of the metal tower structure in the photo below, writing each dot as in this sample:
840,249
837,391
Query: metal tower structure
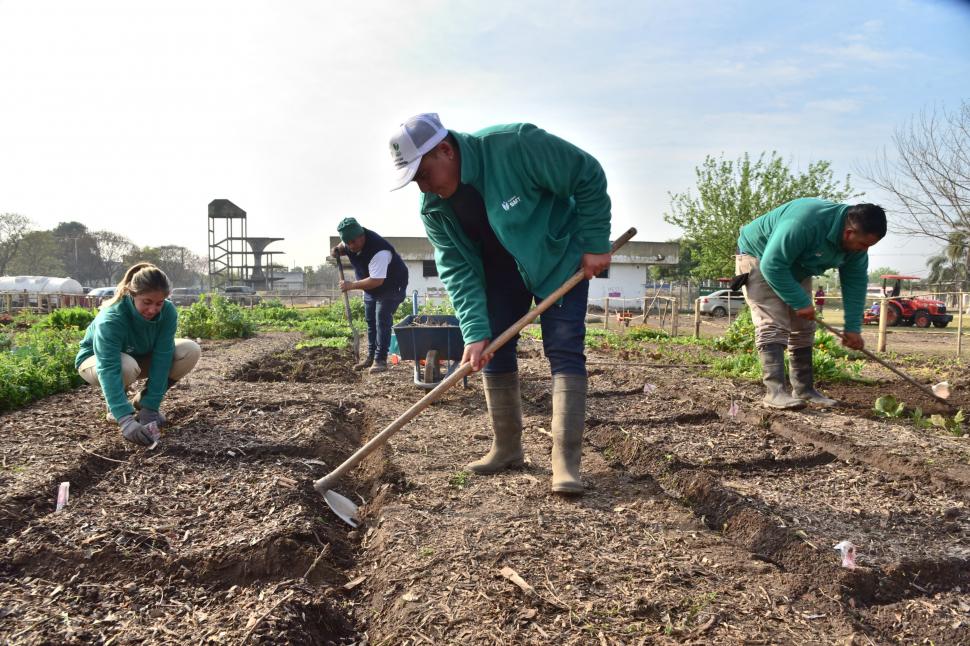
234,257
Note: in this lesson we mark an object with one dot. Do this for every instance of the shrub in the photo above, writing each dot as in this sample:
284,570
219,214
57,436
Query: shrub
39,363
739,337
323,328
76,317
274,314
219,319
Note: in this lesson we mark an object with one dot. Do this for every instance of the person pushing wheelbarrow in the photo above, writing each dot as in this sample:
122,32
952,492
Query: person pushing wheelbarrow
512,212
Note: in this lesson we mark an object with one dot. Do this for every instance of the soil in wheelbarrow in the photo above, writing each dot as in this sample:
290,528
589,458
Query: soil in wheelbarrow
426,321
305,365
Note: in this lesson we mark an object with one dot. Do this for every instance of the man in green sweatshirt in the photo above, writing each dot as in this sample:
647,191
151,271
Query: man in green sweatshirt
512,212
781,251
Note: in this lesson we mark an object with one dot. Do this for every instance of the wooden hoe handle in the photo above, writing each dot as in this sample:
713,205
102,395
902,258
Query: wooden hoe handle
327,482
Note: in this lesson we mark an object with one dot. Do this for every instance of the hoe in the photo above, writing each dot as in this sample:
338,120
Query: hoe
347,509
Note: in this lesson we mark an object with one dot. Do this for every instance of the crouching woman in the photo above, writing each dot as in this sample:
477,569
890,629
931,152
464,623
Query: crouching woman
133,337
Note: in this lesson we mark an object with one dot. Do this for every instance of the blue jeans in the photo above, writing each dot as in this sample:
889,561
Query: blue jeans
563,326
379,314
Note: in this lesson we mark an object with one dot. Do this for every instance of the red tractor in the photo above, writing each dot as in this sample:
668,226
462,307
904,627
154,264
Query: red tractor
908,310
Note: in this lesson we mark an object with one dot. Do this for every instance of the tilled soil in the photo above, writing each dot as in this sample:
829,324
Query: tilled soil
701,524
215,536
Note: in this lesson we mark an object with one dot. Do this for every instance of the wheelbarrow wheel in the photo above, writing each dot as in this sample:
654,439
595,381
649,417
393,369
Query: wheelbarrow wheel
431,373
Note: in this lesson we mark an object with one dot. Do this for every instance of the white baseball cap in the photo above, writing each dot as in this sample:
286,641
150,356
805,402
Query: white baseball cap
417,136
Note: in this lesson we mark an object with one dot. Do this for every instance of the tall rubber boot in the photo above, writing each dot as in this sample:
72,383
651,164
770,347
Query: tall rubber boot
802,376
773,376
568,422
505,411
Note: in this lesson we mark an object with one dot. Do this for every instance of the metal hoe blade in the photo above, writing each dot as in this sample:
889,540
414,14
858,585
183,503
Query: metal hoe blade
343,507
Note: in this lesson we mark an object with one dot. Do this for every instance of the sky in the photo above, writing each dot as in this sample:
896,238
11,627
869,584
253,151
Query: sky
132,116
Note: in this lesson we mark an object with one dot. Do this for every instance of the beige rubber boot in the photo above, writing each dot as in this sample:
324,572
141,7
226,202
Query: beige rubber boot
568,422
802,375
505,411
773,376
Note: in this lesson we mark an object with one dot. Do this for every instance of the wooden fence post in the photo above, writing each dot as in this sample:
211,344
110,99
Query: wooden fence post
697,318
960,327
606,313
883,319
675,328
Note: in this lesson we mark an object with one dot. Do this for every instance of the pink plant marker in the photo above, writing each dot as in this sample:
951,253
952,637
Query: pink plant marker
648,389
848,554
734,409
63,493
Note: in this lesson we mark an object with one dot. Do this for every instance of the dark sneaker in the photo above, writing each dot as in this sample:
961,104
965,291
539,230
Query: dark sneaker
364,364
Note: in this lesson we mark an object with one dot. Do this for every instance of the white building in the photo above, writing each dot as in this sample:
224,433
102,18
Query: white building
289,281
625,279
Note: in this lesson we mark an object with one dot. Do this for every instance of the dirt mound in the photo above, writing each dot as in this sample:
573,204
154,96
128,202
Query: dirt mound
306,365
217,535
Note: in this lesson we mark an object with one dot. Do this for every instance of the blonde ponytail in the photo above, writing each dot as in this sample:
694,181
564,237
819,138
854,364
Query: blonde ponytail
139,279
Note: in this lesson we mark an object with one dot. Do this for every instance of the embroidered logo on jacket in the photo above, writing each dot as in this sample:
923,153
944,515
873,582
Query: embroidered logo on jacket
511,202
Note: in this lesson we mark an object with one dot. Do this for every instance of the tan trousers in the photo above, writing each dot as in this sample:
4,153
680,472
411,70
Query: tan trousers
187,353
774,321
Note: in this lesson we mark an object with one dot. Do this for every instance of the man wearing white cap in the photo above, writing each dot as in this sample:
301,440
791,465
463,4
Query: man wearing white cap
512,211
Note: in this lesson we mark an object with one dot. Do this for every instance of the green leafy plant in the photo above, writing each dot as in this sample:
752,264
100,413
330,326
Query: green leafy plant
39,362
920,421
333,342
953,425
739,337
325,328
889,407
458,480
218,319
76,317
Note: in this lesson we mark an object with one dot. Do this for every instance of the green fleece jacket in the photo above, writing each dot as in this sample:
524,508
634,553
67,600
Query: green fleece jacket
120,328
546,201
804,238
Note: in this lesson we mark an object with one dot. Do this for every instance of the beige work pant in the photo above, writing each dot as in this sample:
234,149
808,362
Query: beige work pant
187,353
774,321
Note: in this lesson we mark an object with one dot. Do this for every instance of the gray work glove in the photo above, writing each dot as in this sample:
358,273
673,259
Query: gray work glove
135,432
147,416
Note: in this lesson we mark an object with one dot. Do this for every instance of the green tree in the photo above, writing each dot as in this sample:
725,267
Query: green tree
684,268
949,268
732,193
874,274
13,228
78,252
37,255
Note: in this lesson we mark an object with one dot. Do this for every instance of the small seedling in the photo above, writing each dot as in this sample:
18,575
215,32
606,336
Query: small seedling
920,421
459,479
889,407
953,425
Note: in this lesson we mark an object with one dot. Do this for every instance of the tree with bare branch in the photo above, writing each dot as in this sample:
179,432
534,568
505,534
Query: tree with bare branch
112,248
929,178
